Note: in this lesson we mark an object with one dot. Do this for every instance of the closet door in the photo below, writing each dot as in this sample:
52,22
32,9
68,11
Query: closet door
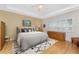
2,34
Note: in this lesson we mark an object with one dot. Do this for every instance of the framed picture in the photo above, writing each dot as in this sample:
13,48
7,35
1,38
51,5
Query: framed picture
26,23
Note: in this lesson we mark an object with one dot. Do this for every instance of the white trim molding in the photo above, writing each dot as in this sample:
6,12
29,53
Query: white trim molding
26,13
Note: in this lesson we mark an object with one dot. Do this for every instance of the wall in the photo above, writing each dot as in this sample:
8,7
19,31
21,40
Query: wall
74,15
12,20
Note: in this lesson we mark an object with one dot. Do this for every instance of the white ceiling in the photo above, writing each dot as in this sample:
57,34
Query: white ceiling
32,9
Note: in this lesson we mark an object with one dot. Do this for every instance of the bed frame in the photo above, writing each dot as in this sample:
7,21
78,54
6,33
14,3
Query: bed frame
56,35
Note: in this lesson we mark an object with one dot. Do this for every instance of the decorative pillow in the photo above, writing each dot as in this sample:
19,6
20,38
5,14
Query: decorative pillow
22,30
28,29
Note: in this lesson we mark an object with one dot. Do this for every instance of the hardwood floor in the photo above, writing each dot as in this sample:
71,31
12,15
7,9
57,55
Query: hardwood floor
62,48
58,48
7,49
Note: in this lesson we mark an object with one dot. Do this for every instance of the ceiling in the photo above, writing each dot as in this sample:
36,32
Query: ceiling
33,10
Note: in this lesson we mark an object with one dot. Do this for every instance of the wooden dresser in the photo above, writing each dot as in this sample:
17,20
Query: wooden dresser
57,35
2,34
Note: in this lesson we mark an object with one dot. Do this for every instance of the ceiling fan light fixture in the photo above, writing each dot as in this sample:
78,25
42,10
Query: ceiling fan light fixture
40,6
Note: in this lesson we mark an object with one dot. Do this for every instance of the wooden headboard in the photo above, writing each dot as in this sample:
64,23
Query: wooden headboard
57,35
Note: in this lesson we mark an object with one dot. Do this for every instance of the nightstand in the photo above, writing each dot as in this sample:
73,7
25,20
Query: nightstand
7,38
75,40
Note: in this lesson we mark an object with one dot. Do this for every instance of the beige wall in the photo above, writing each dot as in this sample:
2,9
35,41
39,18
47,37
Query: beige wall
74,15
12,20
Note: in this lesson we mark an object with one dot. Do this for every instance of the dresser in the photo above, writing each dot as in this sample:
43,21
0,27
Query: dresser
56,35
2,34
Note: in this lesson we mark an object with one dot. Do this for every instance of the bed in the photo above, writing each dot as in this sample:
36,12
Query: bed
38,49
29,39
33,42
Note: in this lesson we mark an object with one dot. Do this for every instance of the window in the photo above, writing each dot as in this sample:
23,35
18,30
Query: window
65,25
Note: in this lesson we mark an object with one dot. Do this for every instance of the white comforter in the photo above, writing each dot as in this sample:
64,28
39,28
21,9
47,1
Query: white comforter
30,39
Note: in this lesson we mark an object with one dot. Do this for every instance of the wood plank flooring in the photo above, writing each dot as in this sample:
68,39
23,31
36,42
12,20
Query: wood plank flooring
62,48
7,49
58,48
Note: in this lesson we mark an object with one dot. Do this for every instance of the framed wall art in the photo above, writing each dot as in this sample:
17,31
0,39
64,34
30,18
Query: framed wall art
27,23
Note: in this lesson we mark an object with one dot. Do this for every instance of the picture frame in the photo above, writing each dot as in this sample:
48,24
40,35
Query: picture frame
26,23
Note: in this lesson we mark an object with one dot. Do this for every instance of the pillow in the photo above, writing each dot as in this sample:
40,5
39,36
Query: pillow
33,29
24,30
28,29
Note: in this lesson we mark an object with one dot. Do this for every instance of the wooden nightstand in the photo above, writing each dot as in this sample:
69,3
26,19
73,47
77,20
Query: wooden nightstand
75,40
